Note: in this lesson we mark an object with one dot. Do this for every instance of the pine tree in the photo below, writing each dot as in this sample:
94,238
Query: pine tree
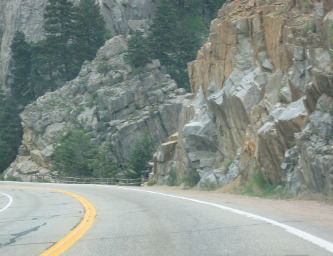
138,54
140,155
43,74
74,153
162,31
59,27
175,36
10,131
21,54
90,30
104,164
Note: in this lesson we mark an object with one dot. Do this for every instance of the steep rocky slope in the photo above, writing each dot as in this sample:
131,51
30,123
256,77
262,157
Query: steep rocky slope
112,102
120,16
264,87
263,102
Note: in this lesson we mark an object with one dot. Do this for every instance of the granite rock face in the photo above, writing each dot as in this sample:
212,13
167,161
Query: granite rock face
120,16
116,106
264,97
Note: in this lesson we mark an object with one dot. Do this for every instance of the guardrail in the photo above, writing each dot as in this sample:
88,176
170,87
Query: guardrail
85,180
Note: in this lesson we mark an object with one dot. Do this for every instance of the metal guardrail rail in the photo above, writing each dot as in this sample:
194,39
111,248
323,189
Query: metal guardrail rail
85,180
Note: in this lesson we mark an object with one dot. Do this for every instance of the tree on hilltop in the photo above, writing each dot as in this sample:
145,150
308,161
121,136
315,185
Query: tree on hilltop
59,27
21,54
90,30
138,54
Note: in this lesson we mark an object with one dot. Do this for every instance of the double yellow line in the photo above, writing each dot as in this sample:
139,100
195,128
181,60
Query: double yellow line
76,233
67,241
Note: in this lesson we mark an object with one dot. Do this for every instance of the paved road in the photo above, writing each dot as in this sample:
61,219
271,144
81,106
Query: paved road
131,222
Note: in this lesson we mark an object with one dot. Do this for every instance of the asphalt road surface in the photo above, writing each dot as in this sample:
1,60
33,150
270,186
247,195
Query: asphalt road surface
134,221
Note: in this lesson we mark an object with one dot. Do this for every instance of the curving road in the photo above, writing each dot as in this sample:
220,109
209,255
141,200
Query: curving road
133,221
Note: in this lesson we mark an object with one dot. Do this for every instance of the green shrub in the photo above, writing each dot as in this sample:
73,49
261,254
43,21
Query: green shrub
103,68
11,178
258,179
2,177
140,155
191,178
227,165
90,103
74,153
279,12
43,181
104,163
258,186
151,183
172,178
114,81
210,185
138,71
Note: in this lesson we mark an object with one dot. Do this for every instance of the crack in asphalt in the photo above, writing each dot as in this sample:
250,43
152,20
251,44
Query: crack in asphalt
23,233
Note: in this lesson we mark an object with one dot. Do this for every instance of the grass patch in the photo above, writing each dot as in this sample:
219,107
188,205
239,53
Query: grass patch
2,177
258,186
151,183
11,178
115,81
191,178
172,178
139,70
210,186
279,12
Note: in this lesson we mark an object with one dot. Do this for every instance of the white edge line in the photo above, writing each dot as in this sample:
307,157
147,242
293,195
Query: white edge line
297,232
9,203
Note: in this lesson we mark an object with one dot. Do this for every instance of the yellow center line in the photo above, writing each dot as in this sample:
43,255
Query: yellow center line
73,236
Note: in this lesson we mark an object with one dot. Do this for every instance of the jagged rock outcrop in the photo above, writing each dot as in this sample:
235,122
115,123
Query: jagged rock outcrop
121,17
266,86
112,102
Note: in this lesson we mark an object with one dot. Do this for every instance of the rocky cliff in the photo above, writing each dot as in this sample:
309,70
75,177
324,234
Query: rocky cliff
113,103
263,103
264,88
121,16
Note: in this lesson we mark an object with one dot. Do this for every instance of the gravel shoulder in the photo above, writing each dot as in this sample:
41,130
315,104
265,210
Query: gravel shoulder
314,209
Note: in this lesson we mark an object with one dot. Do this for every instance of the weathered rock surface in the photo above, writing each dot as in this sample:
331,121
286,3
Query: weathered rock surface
117,107
121,17
265,85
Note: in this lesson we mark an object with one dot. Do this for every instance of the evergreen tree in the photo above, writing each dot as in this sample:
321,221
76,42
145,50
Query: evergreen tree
140,155
43,75
59,27
104,164
176,35
188,38
90,30
163,31
10,131
138,54
21,54
74,154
